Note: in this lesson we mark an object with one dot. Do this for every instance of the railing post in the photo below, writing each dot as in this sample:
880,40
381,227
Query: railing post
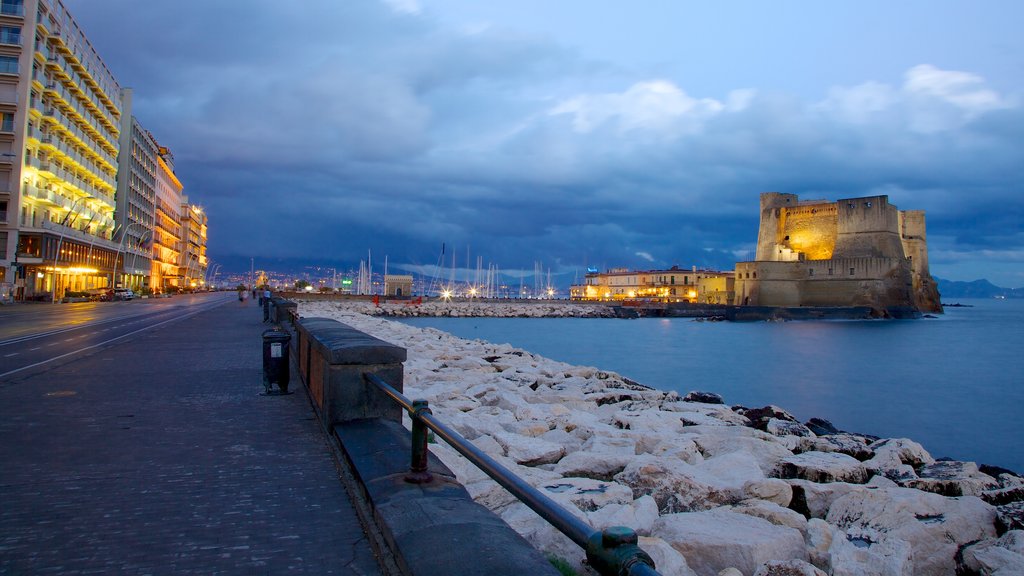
418,468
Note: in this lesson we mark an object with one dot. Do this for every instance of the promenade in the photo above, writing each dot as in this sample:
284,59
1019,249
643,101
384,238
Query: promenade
158,454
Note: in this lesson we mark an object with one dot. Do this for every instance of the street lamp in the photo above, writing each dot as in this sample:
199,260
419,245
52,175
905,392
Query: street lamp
113,269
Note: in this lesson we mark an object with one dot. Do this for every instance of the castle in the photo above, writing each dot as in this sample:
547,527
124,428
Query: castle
852,252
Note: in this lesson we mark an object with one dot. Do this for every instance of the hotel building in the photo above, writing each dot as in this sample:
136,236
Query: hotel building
136,198
60,125
167,236
193,244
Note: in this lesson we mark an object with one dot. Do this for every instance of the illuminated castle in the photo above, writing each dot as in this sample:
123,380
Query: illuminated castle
852,252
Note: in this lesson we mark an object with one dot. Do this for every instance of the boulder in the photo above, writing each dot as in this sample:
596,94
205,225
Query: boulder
759,417
813,500
586,494
823,467
788,568
998,557
904,450
638,515
773,513
543,536
933,526
818,538
717,539
1010,516
764,448
770,489
869,552
529,451
777,427
667,560
848,444
821,427
585,464
703,397
952,478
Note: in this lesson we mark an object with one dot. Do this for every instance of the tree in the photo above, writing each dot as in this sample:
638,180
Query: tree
301,284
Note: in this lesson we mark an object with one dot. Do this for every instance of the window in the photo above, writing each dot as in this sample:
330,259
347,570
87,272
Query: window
810,271
851,271
12,7
7,125
3,238
8,65
829,271
867,204
10,35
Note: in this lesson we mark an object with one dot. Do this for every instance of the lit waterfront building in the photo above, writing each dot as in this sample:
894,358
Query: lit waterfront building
136,195
672,285
60,114
192,264
167,239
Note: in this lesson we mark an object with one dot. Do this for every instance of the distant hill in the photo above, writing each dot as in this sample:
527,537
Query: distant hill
976,289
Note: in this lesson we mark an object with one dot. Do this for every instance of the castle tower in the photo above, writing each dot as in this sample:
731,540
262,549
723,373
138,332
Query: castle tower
772,214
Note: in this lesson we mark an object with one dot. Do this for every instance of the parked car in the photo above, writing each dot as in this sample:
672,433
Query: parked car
123,294
101,294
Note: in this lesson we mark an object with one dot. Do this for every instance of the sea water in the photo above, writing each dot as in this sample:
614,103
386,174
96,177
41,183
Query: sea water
954,383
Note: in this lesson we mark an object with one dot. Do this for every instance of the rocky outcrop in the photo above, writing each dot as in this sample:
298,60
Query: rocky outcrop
711,489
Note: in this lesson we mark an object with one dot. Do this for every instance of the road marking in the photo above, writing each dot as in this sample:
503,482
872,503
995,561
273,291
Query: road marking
33,349
12,354
202,308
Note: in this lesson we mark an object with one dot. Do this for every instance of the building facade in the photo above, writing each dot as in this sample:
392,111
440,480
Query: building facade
193,264
60,111
167,238
136,197
672,285
852,252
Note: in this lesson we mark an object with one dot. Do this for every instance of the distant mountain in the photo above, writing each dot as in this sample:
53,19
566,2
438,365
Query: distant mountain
976,289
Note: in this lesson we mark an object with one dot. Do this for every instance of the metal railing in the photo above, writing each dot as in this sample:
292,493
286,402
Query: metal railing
612,551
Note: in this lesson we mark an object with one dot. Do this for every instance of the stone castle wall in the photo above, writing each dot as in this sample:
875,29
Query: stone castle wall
852,252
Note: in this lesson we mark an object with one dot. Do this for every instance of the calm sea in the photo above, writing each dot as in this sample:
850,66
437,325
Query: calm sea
953,383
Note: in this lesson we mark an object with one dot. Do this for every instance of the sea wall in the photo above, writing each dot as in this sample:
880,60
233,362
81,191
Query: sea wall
708,486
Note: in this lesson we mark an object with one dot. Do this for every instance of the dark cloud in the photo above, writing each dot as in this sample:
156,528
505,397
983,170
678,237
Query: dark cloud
322,130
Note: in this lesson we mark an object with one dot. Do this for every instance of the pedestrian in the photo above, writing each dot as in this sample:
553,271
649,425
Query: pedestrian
241,295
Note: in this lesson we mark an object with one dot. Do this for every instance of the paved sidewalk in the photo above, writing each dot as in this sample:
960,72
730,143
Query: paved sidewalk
159,455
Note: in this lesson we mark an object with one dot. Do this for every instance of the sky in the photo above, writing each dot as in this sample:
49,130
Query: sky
574,133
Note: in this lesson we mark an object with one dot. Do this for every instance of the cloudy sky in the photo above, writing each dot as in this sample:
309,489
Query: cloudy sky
576,132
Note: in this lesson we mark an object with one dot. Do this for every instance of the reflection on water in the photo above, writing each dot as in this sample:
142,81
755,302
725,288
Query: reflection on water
952,383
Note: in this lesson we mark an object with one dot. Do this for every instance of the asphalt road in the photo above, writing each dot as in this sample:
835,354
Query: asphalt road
34,335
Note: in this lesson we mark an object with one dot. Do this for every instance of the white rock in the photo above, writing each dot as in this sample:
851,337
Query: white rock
953,479
680,487
639,515
823,467
717,539
770,489
529,451
542,535
590,465
933,526
777,427
764,448
667,560
585,493
1004,556
814,500
870,553
819,539
903,449
773,513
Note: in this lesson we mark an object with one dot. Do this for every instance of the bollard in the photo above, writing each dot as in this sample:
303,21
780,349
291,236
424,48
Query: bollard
266,309
275,359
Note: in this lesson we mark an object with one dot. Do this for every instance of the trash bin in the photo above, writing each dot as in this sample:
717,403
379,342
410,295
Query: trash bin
275,359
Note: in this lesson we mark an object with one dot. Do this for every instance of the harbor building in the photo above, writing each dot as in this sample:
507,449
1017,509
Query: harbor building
136,196
851,252
60,118
672,285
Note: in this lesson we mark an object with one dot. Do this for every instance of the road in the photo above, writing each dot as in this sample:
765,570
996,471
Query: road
35,335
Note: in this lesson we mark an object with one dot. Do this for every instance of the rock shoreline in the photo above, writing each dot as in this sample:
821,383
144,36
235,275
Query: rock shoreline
711,489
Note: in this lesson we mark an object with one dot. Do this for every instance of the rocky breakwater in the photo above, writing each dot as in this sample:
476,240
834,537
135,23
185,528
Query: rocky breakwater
711,489
477,309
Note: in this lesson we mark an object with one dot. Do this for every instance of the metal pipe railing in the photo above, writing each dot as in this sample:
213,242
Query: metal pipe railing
613,551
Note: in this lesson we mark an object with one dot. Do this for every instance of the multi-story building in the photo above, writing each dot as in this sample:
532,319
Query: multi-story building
167,237
136,196
672,285
60,111
193,246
